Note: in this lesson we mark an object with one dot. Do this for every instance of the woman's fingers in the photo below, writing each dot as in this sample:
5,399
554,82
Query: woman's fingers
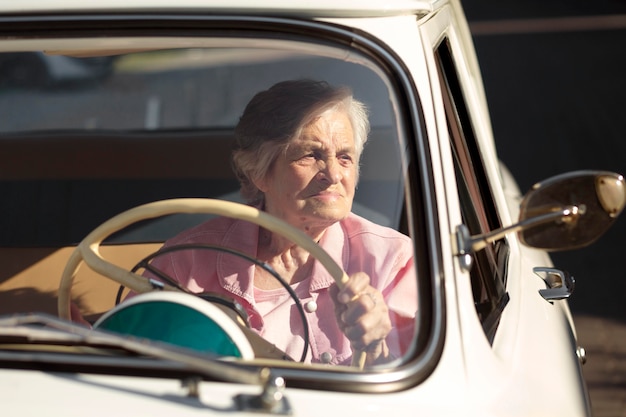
356,284
362,313
361,305
369,329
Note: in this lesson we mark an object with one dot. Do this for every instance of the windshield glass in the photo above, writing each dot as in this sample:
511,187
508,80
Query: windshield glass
88,134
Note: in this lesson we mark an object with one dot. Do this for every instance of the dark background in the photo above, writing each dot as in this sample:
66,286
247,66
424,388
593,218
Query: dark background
557,96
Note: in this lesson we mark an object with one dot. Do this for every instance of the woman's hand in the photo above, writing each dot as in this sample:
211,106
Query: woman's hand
76,316
363,316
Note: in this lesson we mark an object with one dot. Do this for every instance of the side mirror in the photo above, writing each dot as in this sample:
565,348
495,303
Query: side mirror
596,199
565,212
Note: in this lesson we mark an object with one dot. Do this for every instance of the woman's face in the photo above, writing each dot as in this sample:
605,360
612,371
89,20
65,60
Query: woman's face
311,186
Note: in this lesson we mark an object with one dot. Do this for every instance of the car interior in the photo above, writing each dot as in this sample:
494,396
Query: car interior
158,125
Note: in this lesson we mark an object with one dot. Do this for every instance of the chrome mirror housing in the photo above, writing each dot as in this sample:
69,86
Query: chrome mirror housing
565,212
596,198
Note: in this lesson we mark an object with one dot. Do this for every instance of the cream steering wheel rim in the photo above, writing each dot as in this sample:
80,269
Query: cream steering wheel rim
88,249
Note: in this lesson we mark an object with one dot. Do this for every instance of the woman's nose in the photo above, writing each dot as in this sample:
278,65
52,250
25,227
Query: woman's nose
330,171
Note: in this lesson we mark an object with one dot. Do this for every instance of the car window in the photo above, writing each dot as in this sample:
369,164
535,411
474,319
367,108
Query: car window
85,138
488,273
63,131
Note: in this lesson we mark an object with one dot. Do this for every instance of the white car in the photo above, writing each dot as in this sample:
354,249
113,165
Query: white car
94,178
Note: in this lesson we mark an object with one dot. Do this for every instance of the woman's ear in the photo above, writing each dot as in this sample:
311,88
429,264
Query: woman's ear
260,183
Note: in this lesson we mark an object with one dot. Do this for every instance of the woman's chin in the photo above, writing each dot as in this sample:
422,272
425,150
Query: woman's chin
331,214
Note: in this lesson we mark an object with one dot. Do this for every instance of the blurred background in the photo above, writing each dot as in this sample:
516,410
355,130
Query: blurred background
555,77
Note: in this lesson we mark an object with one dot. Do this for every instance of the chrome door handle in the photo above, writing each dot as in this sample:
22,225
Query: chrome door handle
560,283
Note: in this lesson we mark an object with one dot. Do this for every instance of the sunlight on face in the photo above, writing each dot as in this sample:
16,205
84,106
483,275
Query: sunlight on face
312,184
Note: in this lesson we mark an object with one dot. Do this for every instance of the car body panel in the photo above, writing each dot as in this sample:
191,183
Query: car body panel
322,8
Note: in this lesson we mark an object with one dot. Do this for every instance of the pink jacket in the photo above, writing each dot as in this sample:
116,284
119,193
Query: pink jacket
354,243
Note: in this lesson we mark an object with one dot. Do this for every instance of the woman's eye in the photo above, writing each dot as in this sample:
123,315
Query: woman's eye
345,158
307,157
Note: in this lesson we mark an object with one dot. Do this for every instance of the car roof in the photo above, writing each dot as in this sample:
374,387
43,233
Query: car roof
302,8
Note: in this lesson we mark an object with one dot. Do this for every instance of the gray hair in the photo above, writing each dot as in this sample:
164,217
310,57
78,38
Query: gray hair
275,116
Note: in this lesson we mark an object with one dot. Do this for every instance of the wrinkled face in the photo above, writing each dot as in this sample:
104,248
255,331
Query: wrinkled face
312,185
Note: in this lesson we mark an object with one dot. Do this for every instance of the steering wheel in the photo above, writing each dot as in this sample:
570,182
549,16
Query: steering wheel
88,249
242,315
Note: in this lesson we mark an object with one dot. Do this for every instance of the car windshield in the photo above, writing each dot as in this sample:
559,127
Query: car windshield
92,128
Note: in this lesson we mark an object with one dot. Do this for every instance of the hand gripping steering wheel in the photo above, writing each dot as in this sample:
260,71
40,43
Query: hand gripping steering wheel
88,249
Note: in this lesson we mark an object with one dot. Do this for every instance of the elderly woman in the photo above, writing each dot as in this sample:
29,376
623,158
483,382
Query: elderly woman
297,154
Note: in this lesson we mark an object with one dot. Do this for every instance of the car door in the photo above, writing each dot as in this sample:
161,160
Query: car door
511,334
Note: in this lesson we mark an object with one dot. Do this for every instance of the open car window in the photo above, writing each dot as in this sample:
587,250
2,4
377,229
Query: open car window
91,131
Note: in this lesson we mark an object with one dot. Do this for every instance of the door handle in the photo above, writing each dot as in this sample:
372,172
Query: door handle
560,283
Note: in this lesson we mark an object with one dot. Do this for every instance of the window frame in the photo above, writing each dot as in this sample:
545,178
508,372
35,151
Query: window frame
478,209
420,206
